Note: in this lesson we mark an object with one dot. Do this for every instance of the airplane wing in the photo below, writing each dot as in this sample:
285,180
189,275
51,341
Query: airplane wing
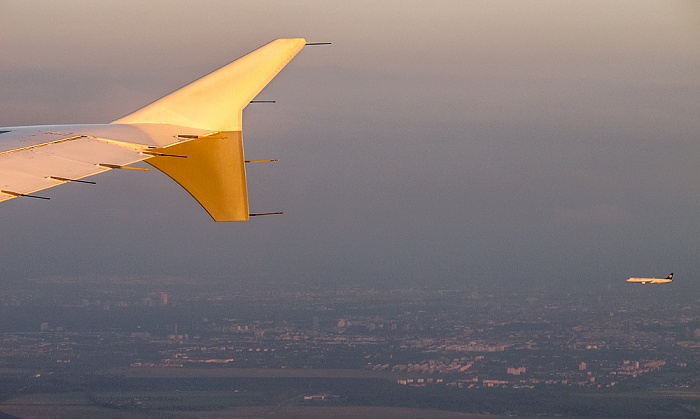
58,158
193,135
37,158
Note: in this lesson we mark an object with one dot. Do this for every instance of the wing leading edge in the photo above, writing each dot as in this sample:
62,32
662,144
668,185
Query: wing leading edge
193,135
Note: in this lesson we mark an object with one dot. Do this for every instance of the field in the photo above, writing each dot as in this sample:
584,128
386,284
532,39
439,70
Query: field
264,393
165,405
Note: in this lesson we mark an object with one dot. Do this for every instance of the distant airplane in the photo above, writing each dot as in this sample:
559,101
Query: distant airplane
193,135
666,280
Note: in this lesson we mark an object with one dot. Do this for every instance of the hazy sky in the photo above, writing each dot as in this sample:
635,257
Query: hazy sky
545,143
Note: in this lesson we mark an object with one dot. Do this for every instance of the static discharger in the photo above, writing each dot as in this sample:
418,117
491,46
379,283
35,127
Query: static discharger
260,214
261,161
65,179
119,166
23,194
263,101
311,44
153,153
188,136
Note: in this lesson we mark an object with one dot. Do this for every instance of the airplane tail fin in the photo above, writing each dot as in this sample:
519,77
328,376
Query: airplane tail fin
212,167
670,276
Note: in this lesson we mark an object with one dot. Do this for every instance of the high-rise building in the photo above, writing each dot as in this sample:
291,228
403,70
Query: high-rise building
515,371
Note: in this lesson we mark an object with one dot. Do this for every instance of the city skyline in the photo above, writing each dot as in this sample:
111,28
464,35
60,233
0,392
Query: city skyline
456,350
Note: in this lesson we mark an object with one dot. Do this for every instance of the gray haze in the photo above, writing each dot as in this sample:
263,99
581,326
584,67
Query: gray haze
437,143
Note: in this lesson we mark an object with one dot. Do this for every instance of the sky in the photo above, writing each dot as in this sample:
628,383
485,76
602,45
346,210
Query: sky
550,144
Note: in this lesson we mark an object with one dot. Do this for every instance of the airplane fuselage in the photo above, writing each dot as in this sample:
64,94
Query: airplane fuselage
645,281
650,280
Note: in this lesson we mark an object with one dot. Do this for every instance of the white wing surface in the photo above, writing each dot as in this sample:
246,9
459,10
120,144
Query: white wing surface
37,158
